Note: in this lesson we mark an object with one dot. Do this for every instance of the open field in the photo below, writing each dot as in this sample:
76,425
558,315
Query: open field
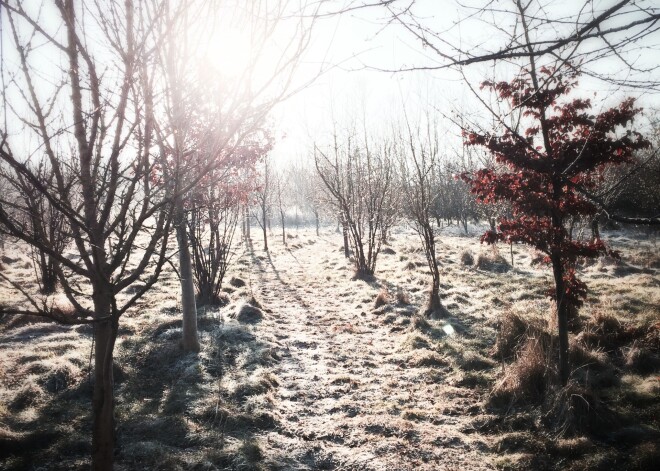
342,373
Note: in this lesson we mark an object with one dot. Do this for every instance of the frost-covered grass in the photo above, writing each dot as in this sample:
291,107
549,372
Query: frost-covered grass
342,373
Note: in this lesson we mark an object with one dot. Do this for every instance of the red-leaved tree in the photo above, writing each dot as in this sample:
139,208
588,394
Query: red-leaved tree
548,170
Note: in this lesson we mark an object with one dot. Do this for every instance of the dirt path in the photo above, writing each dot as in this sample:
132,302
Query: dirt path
347,398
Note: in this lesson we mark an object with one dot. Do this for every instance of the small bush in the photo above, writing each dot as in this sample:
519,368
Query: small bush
217,300
493,263
382,299
605,331
236,282
467,258
402,297
248,314
420,323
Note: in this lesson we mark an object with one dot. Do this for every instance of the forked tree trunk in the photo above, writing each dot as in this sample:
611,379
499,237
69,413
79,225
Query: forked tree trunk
190,339
435,308
48,271
103,427
205,295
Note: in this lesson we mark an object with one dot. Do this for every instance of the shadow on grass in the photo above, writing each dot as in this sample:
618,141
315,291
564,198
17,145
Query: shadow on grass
49,421
174,410
188,410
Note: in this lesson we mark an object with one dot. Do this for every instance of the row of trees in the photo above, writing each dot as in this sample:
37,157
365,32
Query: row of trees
119,134
552,157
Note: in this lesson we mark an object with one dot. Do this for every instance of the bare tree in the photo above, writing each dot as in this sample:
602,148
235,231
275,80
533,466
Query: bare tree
281,186
93,121
45,222
205,108
212,223
360,181
585,32
313,198
420,162
263,196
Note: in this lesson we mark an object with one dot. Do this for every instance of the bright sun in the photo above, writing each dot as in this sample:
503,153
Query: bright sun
230,53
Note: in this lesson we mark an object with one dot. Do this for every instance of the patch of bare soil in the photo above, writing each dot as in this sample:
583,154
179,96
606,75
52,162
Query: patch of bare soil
307,367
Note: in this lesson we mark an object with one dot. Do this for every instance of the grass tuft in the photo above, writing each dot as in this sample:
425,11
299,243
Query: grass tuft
493,262
382,299
467,258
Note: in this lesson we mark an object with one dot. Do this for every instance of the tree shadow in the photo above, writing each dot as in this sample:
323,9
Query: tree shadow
172,408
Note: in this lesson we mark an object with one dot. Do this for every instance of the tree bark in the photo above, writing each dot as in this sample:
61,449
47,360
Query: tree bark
103,427
247,224
595,230
265,237
318,224
190,340
435,307
562,320
344,228
48,271
264,216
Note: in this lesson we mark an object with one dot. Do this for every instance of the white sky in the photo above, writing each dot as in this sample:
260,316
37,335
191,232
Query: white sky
349,92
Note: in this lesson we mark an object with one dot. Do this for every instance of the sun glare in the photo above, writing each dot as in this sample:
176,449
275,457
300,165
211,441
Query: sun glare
229,52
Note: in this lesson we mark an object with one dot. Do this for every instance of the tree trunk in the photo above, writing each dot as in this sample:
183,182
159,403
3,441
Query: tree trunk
435,309
511,250
263,226
283,229
48,274
595,230
247,224
318,223
205,295
103,427
190,340
562,319
345,232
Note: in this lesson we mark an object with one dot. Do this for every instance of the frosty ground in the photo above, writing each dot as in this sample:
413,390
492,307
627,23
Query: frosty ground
333,372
